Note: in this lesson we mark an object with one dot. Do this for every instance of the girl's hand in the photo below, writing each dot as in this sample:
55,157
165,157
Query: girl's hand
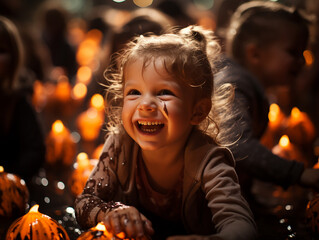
130,221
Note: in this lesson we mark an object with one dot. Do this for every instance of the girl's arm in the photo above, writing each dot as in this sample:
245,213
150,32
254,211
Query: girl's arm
97,201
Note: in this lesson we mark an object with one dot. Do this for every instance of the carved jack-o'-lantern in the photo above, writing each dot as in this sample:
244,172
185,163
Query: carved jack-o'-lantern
36,226
312,214
14,195
97,232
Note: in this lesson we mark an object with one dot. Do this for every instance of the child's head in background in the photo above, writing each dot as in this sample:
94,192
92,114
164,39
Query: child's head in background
268,39
169,80
11,54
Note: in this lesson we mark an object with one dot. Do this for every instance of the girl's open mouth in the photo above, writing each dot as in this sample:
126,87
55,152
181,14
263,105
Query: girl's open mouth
150,127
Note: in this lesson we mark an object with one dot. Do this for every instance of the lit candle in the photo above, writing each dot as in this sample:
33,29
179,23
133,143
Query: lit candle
60,144
99,232
286,149
81,173
275,126
300,128
89,124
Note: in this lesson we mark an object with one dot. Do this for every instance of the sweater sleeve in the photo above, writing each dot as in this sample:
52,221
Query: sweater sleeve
231,214
100,189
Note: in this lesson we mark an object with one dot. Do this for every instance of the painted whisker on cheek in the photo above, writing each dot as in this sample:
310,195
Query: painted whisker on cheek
165,110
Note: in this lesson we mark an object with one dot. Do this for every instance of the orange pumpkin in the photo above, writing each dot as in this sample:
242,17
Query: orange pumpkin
36,226
312,214
14,195
98,232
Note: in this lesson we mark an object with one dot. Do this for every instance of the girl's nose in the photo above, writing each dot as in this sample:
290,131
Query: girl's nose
147,104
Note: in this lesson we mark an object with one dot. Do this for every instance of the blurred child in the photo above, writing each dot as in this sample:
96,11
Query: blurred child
265,43
162,172
21,138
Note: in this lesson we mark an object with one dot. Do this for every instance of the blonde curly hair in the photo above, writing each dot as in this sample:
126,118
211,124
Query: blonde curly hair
189,55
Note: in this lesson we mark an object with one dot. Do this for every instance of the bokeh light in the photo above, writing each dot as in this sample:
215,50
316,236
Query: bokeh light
143,3
204,4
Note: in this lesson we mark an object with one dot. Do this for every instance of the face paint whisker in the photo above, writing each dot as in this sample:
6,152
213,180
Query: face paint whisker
165,110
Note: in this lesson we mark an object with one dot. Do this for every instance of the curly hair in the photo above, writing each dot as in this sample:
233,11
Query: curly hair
189,55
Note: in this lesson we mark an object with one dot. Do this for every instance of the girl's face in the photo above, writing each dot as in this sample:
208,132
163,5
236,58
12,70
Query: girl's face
157,110
281,61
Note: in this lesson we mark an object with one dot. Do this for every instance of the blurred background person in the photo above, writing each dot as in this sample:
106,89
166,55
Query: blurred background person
264,47
21,140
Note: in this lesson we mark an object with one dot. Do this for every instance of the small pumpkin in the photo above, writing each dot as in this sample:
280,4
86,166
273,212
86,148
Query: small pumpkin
36,226
312,215
98,232
14,195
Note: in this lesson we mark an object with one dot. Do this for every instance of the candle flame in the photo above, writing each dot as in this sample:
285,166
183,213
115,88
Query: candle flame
58,126
308,56
1,169
121,235
273,112
79,90
100,227
84,74
34,208
97,101
82,156
295,113
284,141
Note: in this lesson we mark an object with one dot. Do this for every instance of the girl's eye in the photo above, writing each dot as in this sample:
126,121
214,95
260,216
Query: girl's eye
133,92
165,92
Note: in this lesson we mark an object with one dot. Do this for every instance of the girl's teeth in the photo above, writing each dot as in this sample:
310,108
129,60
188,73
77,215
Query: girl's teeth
148,123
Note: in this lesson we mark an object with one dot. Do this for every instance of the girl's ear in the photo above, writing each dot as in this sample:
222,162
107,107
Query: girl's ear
201,110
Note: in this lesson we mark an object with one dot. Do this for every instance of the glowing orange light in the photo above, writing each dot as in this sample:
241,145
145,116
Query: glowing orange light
86,52
121,235
143,3
1,169
79,91
309,58
100,227
84,74
295,113
63,89
57,126
95,35
274,111
97,101
83,160
97,152
284,141
89,124
35,208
